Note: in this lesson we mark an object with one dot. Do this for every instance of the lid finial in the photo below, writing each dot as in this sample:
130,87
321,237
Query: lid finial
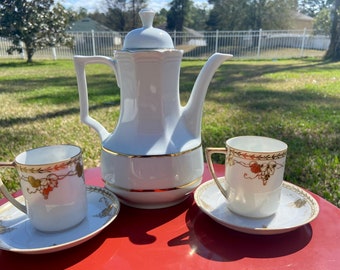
147,37
147,16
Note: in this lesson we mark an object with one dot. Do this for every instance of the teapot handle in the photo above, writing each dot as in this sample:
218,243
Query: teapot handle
80,63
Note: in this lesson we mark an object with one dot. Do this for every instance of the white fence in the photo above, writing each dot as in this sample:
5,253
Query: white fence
242,44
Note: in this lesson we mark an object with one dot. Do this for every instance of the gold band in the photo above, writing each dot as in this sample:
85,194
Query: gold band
256,155
155,190
149,156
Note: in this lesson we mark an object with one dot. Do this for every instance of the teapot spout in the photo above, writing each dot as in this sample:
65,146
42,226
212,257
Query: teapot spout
192,112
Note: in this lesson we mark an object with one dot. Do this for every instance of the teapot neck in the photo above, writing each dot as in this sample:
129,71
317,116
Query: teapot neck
150,78
149,53
150,103
149,83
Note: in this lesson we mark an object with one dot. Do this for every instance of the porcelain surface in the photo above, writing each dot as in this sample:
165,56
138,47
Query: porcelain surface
296,209
254,171
152,182
147,37
18,235
153,124
53,185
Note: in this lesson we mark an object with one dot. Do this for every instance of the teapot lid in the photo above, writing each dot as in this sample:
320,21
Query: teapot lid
147,37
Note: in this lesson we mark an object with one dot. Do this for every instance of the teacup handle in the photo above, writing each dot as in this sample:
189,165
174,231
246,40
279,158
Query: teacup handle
209,151
6,193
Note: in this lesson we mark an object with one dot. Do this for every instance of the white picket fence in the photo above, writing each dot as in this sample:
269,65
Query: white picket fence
242,44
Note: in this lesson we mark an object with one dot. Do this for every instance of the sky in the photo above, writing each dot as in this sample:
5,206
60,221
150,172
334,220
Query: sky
92,5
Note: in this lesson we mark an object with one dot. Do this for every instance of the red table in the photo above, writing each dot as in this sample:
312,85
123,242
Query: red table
182,237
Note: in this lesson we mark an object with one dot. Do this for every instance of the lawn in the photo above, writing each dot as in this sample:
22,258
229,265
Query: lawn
296,101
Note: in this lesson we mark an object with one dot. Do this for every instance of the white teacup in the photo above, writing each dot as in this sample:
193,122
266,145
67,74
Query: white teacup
52,183
254,169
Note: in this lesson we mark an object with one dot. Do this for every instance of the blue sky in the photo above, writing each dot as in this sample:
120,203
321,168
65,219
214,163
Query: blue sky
92,5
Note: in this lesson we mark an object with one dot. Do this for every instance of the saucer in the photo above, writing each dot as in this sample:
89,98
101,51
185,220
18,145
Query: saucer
296,209
18,235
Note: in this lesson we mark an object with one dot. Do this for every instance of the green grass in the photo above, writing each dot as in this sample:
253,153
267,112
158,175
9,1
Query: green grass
296,101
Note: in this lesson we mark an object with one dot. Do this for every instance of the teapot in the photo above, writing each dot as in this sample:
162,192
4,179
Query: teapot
153,158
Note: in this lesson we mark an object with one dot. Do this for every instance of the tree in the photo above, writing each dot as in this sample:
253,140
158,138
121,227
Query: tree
272,14
178,13
35,23
251,14
123,15
114,19
228,15
313,7
322,23
197,17
333,52
160,18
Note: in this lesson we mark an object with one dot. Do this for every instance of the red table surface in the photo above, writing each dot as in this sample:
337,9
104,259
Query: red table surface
183,237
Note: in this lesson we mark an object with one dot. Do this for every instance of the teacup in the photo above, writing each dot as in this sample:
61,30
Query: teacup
254,169
53,186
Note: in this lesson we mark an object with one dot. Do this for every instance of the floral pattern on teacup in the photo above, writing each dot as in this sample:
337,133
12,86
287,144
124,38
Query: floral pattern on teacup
261,171
45,185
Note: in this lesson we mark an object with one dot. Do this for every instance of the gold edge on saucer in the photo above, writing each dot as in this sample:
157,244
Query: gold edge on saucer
109,198
314,207
309,199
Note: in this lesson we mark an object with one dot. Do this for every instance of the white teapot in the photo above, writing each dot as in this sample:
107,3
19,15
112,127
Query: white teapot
153,158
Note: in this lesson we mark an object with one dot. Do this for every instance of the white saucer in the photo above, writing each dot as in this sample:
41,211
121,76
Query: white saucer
18,235
296,209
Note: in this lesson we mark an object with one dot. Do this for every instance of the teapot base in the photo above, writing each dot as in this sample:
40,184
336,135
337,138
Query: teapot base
155,181
143,201
156,206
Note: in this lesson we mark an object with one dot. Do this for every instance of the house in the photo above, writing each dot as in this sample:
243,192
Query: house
188,36
197,39
302,21
87,25
89,36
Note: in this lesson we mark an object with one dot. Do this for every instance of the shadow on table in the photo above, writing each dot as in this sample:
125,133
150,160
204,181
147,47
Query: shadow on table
216,242
205,237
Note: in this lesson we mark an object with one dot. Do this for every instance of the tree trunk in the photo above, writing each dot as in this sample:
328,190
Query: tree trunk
30,51
333,52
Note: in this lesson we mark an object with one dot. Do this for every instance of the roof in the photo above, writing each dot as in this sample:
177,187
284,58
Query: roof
302,17
193,32
87,24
